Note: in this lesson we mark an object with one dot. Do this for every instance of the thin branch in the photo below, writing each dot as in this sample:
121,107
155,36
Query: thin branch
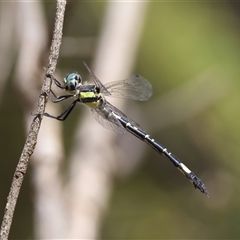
31,140
46,175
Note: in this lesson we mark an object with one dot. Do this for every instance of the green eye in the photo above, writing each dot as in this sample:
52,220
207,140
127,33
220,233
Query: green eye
72,80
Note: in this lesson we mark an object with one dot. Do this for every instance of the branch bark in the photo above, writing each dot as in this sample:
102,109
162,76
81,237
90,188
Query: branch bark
31,140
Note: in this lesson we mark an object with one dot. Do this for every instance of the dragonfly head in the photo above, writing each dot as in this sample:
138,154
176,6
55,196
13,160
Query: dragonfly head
72,80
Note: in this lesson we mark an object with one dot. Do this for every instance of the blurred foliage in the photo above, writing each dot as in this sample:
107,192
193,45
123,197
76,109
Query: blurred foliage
180,40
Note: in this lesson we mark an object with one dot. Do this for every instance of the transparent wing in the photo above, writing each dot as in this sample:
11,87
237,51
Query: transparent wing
97,82
104,115
135,87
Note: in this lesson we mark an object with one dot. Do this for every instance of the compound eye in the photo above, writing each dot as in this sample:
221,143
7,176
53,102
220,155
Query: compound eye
78,78
72,80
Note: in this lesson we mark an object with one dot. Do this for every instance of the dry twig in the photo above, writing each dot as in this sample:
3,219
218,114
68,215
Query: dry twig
35,126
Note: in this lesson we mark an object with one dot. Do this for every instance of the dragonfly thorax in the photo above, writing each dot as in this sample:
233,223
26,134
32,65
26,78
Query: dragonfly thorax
72,81
89,94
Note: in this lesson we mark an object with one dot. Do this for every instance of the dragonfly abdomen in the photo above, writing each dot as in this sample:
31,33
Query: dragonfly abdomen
137,132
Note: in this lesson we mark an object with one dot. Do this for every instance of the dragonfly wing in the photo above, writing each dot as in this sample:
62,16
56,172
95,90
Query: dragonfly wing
135,87
108,121
97,82
104,115
122,115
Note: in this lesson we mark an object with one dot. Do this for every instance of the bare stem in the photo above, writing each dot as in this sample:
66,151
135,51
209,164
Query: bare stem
31,140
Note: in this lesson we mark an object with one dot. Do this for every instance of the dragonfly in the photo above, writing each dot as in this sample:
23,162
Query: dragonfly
93,95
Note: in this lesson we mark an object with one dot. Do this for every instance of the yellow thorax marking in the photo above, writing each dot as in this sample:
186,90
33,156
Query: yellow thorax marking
87,95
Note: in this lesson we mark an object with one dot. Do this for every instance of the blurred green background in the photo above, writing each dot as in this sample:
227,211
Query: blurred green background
180,41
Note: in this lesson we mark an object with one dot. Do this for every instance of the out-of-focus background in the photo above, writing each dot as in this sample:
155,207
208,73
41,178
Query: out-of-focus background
189,52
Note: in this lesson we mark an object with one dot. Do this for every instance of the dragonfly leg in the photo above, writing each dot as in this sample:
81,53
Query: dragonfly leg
58,98
57,83
63,116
